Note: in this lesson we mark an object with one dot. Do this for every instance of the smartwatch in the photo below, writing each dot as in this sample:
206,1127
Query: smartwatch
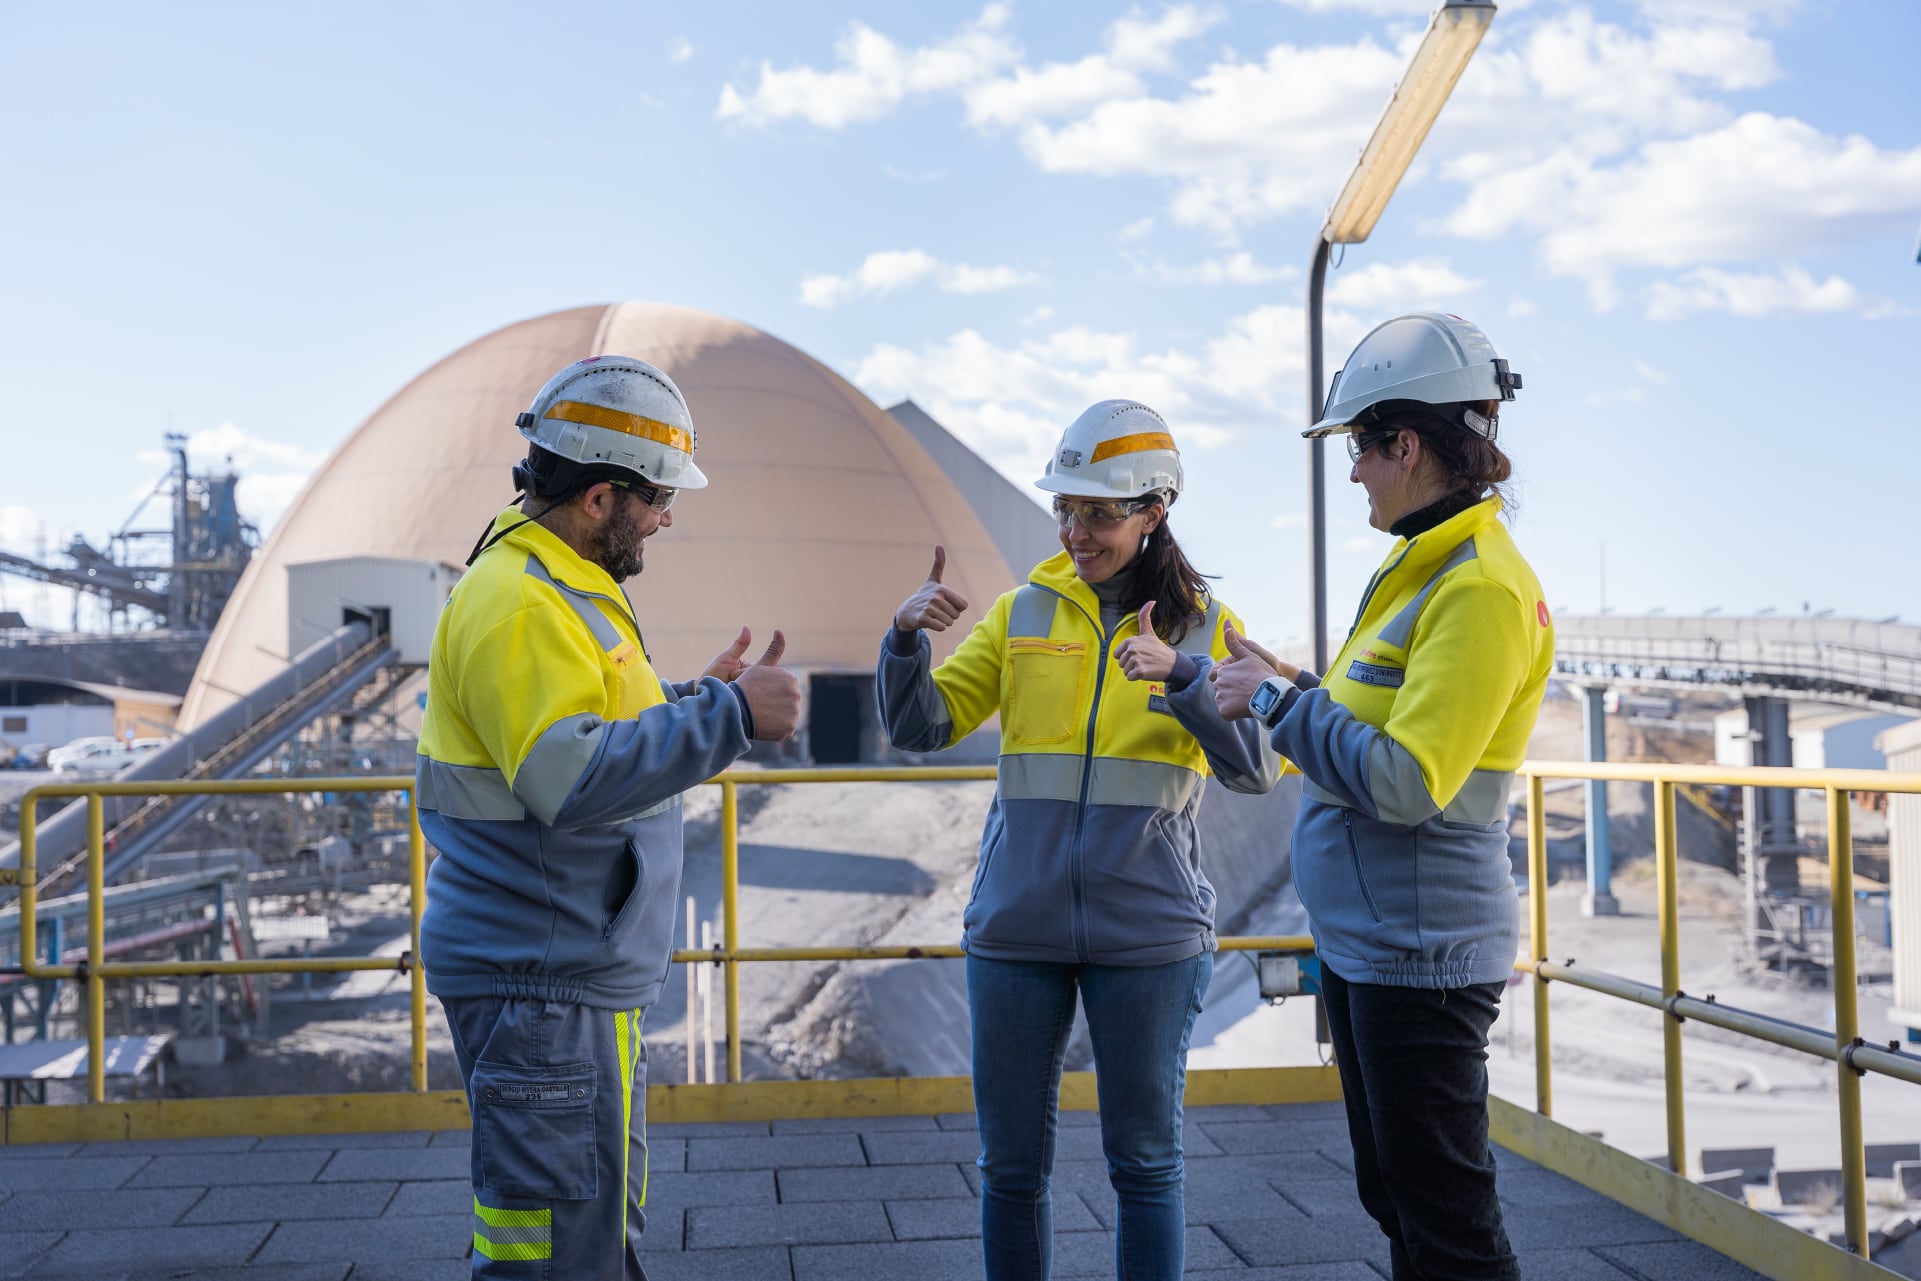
1265,702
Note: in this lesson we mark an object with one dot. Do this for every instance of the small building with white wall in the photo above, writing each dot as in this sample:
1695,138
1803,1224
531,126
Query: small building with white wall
1824,736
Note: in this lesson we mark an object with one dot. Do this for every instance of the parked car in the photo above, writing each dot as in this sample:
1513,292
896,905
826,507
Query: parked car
29,756
99,757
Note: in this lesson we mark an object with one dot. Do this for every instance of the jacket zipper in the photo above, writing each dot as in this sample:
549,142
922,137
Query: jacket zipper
1076,859
1354,853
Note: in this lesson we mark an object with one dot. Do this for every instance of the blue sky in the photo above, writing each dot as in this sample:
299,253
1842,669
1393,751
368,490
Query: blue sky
1690,224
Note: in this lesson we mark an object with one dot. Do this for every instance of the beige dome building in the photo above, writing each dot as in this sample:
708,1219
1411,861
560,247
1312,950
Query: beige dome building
822,513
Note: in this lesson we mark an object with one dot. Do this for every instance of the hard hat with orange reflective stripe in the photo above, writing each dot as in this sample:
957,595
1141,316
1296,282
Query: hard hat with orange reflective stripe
609,417
1116,449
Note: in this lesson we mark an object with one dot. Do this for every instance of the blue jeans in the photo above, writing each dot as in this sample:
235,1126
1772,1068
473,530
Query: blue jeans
1139,1018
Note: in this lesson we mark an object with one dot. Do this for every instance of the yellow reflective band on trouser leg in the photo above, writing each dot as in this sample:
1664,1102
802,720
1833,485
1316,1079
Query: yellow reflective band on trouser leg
508,1235
627,1046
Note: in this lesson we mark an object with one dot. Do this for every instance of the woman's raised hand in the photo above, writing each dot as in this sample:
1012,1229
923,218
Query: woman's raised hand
935,606
1246,667
1146,657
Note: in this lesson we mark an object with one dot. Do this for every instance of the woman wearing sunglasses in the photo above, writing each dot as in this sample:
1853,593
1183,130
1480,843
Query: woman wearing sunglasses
1090,885
1409,745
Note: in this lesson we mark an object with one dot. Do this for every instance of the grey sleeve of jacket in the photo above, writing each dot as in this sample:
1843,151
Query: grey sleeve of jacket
911,706
637,764
1237,751
1361,765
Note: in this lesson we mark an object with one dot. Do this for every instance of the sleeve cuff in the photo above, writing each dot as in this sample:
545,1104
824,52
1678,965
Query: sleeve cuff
1186,670
746,712
1305,680
902,644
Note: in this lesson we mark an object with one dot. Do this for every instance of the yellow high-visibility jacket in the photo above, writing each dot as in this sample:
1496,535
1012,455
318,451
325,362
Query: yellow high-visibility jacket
1090,851
552,761
1409,747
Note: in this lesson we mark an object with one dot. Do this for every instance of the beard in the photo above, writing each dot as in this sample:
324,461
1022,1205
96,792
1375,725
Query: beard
618,543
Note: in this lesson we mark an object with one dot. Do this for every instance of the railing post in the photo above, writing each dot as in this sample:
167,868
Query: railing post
96,948
1665,856
1847,1021
417,973
730,917
1537,939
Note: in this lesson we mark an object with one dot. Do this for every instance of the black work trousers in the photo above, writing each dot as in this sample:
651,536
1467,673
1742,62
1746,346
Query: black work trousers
1413,1065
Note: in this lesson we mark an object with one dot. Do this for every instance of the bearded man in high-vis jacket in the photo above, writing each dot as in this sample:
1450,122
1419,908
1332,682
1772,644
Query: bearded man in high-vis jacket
552,762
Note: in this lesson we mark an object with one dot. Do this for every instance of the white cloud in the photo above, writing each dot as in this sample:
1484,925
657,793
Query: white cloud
1397,287
1231,269
1134,46
19,527
1791,288
1139,229
873,76
1659,377
1010,401
1039,316
888,270
1521,307
913,175
680,49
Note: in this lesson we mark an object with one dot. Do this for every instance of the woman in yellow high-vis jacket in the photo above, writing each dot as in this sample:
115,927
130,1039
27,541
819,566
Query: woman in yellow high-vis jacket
1409,745
1090,884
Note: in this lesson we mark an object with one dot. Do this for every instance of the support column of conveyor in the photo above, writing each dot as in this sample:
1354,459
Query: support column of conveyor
1775,841
1599,900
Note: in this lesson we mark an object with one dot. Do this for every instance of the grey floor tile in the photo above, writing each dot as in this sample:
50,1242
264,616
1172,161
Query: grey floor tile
1327,1110
275,1201
1225,1113
918,1260
926,1148
424,1197
1284,1168
1576,1265
815,1223
872,1183
1065,1119
71,1172
370,1139
105,1252
170,1147
665,1230
28,1151
770,1153
1091,1254
759,1263
1601,1222
1539,1189
400,1165
710,1130
936,1220
666,1155
18,1249
59,1210
1322,1197
382,1241
451,1139
296,1272
1195,1142
1265,1243
843,1124
1305,1272
716,1187
1667,1260
412,1270
244,1169
1244,1138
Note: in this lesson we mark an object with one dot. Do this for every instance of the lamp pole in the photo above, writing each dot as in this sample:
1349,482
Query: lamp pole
1453,34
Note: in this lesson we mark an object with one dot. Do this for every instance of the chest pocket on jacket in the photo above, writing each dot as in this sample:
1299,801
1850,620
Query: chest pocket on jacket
1045,681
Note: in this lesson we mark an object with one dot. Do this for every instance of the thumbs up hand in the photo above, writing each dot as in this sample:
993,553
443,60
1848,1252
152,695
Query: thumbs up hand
935,607
772,692
1246,667
1145,656
729,662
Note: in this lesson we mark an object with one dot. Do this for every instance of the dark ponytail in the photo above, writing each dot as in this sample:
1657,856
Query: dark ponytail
1471,465
1162,575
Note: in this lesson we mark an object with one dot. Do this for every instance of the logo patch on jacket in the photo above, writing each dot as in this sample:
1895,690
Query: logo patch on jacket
1376,674
1157,699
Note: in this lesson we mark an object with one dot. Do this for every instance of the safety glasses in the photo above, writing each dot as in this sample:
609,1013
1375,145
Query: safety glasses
1359,442
657,497
1095,515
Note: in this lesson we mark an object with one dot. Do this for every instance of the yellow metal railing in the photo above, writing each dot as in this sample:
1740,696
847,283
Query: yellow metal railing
1842,1046
729,954
96,970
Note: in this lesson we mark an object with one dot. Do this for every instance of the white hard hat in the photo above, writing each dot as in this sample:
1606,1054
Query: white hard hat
1116,449
1428,356
614,413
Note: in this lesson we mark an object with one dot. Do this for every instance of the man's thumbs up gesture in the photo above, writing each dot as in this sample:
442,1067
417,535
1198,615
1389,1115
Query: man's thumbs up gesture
1246,667
772,693
934,607
1145,657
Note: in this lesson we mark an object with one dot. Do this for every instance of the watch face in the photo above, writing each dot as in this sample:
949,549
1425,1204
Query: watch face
1264,698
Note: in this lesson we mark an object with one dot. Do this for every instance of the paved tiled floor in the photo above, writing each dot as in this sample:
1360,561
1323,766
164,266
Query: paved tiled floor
1270,1198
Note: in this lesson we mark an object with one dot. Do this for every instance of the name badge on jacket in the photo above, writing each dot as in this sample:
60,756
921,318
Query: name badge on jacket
1376,674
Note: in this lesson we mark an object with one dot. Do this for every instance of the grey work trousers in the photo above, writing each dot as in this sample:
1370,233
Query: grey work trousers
558,1094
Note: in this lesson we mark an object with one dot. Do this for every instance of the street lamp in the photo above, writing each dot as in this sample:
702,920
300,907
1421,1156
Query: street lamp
1453,33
